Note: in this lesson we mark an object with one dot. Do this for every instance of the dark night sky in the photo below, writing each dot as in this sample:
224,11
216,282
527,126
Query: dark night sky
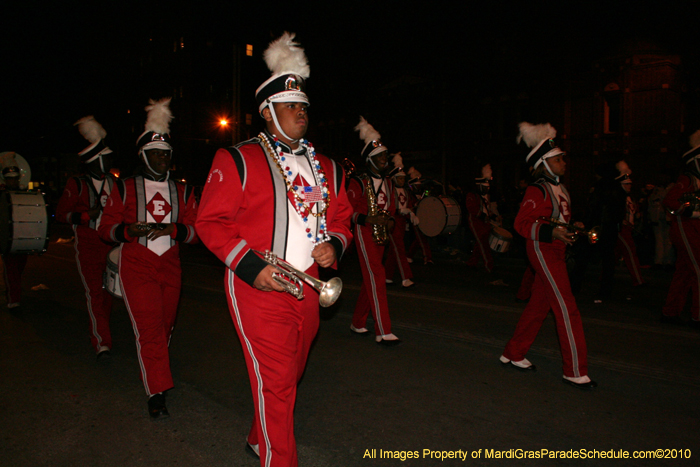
64,58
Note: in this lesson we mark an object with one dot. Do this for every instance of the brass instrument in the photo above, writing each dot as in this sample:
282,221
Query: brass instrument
593,234
380,235
687,200
292,280
349,167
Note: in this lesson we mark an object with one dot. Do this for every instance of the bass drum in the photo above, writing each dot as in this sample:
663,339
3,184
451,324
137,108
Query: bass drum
438,215
110,279
500,239
24,225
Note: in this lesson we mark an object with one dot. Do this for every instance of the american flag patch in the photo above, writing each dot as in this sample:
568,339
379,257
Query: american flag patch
313,194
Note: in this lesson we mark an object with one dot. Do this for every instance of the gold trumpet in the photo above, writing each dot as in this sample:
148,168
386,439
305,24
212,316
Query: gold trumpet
687,200
593,234
292,280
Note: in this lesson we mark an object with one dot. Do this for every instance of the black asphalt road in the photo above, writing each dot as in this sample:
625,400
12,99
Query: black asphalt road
443,390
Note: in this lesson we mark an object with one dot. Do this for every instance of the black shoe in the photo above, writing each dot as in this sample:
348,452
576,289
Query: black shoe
391,343
103,356
671,320
251,451
584,386
156,407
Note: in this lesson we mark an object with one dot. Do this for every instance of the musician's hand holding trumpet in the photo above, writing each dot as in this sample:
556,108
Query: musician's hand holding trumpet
281,276
565,235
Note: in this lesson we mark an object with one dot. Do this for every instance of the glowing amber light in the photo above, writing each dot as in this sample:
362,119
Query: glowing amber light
223,122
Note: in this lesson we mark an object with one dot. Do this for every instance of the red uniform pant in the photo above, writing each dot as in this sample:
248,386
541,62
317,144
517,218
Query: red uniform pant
551,290
525,289
151,290
373,291
91,258
482,251
685,236
420,240
14,267
397,252
276,331
626,248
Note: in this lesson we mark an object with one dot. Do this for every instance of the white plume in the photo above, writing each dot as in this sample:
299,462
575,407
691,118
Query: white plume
413,173
623,168
367,131
285,55
397,160
159,116
90,129
486,172
534,134
695,139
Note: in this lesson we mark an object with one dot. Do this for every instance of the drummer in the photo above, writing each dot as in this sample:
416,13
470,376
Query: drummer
13,264
81,206
481,219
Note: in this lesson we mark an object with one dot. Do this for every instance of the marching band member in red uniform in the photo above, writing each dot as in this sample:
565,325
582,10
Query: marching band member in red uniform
150,218
275,193
81,205
374,209
13,263
419,238
406,216
685,236
478,218
626,247
546,246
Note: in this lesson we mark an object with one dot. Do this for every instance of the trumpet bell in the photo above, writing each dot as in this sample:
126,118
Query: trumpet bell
593,235
330,292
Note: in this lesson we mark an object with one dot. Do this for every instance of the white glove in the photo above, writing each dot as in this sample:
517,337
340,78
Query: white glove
414,218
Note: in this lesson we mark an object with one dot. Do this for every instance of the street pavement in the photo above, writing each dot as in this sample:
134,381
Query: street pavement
442,392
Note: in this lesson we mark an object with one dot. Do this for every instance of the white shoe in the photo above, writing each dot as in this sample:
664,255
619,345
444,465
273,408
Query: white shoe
410,260
358,330
407,283
389,281
12,305
523,364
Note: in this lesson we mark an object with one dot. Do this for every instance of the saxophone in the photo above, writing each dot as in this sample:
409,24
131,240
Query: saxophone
380,236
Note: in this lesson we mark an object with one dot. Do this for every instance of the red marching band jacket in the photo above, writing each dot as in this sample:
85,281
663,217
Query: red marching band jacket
237,216
78,197
539,202
130,207
672,201
358,199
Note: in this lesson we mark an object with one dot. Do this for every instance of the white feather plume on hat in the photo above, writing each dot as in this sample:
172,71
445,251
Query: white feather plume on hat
413,173
397,160
534,134
90,129
159,116
367,131
695,139
623,168
285,55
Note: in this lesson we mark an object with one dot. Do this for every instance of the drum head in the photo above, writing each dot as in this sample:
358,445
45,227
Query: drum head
432,216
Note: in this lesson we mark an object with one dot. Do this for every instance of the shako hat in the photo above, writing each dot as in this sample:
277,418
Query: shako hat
290,69
486,175
695,148
372,139
93,132
10,166
541,139
157,133
625,172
